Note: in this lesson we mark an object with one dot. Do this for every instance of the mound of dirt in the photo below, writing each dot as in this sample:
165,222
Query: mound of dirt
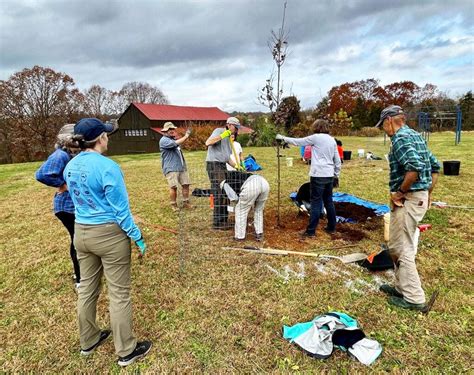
353,211
293,224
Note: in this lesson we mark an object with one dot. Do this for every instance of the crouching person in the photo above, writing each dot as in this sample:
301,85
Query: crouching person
249,190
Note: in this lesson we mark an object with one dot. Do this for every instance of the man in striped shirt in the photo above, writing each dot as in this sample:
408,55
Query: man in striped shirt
413,174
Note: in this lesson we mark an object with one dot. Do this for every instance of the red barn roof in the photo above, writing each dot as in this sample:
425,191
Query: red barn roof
168,112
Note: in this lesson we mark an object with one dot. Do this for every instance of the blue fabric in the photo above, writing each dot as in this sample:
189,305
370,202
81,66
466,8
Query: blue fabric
291,333
51,174
379,209
98,190
349,321
251,165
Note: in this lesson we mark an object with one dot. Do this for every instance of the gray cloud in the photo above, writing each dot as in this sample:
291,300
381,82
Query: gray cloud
117,41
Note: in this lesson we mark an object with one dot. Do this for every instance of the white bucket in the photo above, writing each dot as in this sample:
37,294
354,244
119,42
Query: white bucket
386,226
289,162
360,152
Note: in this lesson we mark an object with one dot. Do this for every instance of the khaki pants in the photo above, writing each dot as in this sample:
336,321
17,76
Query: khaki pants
104,249
403,223
254,193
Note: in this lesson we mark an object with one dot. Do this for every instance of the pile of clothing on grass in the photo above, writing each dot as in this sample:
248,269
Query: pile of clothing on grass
321,336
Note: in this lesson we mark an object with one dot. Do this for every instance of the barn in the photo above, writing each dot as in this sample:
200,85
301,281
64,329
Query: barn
139,125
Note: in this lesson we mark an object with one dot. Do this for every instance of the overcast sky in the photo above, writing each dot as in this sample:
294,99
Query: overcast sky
214,53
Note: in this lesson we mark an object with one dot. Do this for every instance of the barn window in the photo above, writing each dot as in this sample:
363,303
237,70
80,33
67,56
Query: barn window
135,132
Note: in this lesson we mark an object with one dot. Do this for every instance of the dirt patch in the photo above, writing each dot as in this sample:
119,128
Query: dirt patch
348,232
353,211
287,236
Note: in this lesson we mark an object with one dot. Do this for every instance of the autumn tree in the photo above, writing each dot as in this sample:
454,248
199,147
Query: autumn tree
287,114
36,102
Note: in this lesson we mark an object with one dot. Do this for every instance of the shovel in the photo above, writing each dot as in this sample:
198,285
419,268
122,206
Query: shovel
349,258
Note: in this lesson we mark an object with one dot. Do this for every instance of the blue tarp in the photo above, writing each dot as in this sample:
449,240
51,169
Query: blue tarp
379,209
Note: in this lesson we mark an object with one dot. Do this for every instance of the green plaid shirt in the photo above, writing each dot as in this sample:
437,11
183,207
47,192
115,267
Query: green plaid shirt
410,154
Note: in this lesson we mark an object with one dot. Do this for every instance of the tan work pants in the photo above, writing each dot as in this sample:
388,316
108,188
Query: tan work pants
104,249
403,224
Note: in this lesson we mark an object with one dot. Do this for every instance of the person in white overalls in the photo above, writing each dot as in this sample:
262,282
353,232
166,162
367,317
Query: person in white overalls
249,190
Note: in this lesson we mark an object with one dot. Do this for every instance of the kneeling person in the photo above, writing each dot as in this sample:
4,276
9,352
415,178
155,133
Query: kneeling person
174,165
249,190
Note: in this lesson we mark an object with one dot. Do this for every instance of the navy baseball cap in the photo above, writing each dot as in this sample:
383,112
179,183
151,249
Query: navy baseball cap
390,111
91,128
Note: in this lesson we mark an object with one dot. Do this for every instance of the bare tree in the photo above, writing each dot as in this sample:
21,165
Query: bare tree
97,101
278,45
142,92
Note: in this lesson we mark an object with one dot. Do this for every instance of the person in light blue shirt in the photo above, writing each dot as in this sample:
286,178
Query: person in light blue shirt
103,230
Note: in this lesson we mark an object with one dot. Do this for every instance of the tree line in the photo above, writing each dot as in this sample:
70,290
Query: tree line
354,108
36,102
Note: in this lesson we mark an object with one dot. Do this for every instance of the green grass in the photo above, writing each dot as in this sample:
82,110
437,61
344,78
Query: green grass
208,310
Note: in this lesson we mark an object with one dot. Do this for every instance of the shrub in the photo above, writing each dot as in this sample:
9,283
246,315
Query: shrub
243,139
369,132
264,135
197,140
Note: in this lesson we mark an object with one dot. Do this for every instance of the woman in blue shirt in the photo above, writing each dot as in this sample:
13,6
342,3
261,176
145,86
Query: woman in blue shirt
103,230
51,174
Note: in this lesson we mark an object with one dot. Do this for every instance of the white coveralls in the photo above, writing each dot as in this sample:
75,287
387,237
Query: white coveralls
254,193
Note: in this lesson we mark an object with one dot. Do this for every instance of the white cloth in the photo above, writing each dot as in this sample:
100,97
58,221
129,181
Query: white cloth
238,151
366,350
325,160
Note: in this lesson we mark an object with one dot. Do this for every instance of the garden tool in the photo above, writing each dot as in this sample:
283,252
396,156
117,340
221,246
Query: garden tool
350,258
238,164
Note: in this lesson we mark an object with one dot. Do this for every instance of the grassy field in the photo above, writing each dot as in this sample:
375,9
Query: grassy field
211,310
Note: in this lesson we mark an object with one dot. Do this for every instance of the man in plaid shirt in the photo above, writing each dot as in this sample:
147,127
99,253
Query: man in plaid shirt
413,174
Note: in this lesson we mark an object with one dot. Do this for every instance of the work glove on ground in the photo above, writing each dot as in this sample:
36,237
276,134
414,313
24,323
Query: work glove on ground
227,133
335,182
141,246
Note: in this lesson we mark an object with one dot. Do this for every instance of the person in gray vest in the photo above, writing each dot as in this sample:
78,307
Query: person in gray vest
218,154
174,165
249,191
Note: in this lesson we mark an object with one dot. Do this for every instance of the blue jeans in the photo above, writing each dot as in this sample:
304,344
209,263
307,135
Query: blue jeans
321,192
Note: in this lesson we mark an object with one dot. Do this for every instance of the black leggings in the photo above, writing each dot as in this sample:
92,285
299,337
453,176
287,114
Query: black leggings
68,221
